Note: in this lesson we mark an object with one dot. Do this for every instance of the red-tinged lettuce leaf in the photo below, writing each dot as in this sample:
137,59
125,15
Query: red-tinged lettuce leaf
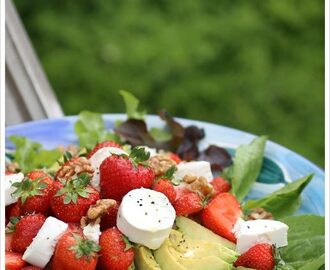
218,157
188,149
135,132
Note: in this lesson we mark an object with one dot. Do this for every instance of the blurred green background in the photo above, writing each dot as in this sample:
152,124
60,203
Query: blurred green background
252,65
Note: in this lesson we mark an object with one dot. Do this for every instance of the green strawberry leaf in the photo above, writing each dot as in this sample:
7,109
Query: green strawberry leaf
282,202
139,155
247,163
132,105
169,173
84,247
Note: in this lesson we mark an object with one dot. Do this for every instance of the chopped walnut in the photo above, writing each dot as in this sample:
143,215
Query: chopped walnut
198,184
160,164
75,166
96,211
259,213
12,167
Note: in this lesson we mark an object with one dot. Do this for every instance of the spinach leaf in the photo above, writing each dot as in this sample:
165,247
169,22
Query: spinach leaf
282,202
305,250
29,155
246,167
90,130
132,105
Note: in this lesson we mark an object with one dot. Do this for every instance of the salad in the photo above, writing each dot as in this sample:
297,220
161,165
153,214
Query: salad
150,199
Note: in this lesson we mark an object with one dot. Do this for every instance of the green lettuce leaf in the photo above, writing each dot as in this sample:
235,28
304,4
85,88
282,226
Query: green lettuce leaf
282,202
29,155
306,241
160,134
90,129
132,105
246,167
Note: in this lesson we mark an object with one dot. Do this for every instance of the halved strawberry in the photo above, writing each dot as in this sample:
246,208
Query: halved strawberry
164,186
188,204
102,145
259,257
34,193
221,214
220,185
14,261
115,253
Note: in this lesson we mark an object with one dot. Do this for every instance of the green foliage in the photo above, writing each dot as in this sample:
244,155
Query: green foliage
283,202
252,65
247,163
305,248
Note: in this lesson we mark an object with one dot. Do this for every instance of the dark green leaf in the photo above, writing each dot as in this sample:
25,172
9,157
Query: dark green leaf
282,202
246,167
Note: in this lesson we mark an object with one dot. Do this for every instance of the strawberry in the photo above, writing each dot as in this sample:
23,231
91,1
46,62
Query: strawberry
73,198
120,174
174,157
109,219
259,257
221,214
188,204
8,241
25,230
34,193
115,254
13,210
73,252
102,145
164,186
14,261
31,267
220,185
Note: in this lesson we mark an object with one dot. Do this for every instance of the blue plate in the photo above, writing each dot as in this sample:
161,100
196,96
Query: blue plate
280,166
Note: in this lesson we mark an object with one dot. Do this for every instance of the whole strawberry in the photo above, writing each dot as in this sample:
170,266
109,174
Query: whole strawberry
14,261
188,204
121,174
259,257
220,185
25,230
73,198
115,254
102,145
31,267
73,252
164,186
34,193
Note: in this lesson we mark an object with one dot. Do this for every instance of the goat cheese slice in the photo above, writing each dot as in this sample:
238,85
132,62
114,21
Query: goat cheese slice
9,189
92,232
43,245
197,168
97,159
146,217
252,232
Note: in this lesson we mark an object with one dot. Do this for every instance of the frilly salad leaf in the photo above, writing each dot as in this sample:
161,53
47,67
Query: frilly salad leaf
90,129
306,237
29,155
282,202
246,167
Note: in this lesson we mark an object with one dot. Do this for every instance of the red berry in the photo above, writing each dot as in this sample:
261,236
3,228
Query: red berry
31,267
73,252
35,192
220,185
8,241
259,257
188,204
25,230
102,145
109,219
69,205
221,214
118,176
14,261
164,186
114,252
175,158
13,210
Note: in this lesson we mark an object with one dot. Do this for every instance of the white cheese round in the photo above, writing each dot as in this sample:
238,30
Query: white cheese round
146,217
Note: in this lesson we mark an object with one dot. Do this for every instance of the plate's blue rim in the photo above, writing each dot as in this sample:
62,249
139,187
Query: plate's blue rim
12,128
